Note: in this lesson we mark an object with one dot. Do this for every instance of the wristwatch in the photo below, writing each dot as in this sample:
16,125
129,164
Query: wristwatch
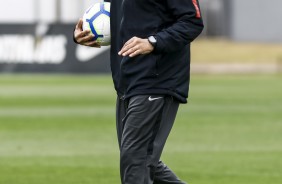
152,40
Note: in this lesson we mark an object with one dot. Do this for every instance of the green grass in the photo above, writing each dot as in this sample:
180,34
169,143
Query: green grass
61,130
206,51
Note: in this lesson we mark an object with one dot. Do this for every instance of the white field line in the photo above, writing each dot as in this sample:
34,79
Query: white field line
110,110
56,111
65,91
64,148
236,68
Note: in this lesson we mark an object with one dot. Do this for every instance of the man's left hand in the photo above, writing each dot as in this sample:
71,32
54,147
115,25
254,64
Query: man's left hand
136,46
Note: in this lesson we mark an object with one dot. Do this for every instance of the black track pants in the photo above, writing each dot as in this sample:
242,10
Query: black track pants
143,125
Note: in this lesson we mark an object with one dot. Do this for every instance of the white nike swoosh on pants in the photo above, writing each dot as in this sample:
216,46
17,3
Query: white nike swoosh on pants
152,99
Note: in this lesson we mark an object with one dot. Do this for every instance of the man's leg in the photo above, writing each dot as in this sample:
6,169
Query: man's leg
163,175
121,107
143,127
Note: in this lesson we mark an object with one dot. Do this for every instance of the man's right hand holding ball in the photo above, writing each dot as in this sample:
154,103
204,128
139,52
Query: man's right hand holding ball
84,37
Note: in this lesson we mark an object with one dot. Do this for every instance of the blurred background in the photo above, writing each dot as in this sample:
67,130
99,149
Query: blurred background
36,36
57,102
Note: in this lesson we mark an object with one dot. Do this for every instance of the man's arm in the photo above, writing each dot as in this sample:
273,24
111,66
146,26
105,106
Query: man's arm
187,27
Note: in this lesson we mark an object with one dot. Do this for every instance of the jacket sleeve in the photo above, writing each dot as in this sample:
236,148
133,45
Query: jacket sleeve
188,25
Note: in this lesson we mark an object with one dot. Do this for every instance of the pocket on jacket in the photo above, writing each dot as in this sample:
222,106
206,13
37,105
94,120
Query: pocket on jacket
138,70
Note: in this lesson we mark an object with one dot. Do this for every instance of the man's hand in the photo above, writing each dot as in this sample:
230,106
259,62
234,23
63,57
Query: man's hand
136,46
83,37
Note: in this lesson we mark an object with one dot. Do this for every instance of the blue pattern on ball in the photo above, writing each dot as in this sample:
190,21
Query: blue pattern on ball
102,11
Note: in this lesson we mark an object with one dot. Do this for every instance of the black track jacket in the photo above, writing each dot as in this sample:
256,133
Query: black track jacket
165,71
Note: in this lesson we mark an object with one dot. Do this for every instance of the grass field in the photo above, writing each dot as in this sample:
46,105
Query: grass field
61,130
227,52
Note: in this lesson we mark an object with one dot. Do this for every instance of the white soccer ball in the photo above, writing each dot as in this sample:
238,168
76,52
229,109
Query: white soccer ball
97,20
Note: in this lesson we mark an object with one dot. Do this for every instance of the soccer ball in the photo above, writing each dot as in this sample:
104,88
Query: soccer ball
97,20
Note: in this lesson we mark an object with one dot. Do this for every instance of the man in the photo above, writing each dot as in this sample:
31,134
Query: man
150,62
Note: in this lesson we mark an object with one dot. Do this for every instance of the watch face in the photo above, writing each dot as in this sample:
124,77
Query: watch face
152,39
